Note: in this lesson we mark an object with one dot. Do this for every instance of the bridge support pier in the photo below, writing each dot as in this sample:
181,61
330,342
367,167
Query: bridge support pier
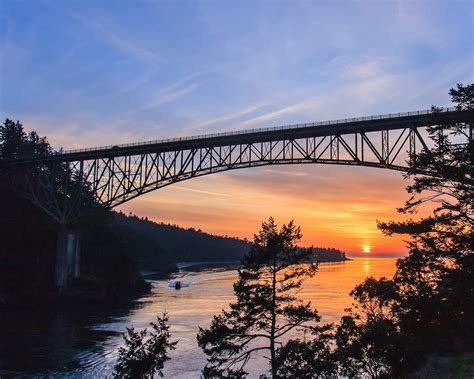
77,256
68,256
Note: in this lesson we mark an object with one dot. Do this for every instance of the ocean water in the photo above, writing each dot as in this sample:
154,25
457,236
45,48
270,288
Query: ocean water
83,341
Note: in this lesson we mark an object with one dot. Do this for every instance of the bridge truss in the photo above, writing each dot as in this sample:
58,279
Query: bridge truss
70,184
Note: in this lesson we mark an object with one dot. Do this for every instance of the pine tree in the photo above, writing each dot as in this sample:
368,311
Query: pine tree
266,308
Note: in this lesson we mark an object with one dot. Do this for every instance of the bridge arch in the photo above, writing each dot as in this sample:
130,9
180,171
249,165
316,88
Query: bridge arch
128,196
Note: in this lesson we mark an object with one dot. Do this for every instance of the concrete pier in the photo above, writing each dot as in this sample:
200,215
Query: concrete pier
68,258
77,255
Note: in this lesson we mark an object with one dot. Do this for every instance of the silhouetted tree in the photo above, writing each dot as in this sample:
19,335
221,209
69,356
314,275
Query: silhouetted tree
266,308
307,357
145,352
367,339
14,142
428,307
435,282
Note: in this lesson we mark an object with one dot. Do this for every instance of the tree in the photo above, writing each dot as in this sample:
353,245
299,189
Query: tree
14,142
367,339
307,358
266,308
428,306
12,138
145,352
435,281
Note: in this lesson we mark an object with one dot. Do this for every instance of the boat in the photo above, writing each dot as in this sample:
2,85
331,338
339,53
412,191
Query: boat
178,284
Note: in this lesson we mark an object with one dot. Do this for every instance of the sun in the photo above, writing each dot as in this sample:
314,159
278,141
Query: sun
366,249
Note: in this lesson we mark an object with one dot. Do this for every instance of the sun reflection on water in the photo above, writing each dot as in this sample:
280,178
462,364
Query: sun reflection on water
367,266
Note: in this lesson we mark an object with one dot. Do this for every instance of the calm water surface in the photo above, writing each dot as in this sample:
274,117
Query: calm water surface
83,342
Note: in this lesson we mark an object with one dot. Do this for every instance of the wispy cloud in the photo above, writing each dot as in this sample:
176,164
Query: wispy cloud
112,38
172,92
212,193
297,107
135,84
168,97
371,67
169,94
224,118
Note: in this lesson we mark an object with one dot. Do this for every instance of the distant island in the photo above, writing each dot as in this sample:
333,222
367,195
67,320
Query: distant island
328,254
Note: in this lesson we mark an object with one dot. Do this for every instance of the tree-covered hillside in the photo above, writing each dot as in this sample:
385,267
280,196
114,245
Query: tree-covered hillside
173,243
181,244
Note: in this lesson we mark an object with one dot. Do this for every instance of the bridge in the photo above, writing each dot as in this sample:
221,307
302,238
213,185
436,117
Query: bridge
69,184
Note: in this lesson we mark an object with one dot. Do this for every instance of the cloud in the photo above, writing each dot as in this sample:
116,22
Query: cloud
113,39
167,96
171,93
368,69
145,78
211,193
298,107
227,117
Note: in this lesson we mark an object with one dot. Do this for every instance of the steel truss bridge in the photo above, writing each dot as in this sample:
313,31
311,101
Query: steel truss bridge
111,175
68,185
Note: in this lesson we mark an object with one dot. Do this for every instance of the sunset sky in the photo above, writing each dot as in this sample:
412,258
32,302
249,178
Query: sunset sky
97,73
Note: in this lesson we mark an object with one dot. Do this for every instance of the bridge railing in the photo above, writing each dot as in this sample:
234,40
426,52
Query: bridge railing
268,129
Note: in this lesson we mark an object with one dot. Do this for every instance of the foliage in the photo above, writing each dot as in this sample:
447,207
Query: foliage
436,306
28,236
145,352
307,358
14,142
107,264
428,306
28,242
108,259
266,309
367,339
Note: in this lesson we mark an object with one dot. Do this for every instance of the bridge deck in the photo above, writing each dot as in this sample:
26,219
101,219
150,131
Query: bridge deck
391,121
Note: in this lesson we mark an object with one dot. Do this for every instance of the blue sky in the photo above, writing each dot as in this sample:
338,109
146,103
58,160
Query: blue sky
91,73
87,73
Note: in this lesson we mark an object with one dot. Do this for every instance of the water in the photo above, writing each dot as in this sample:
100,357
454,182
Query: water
83,341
